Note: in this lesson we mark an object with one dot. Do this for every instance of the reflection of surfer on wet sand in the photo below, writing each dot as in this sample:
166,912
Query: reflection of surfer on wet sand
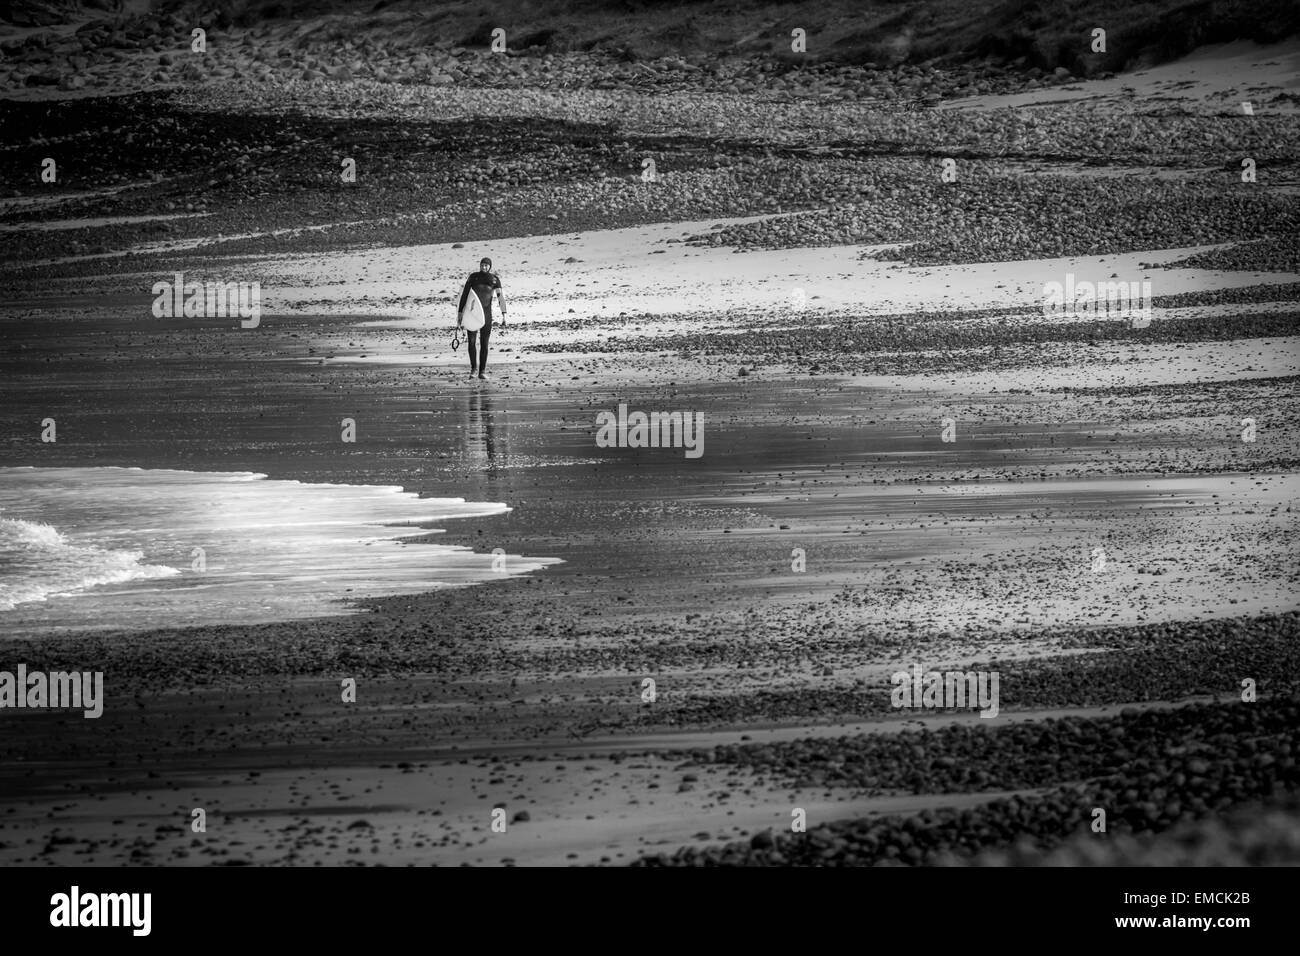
474,313
480,427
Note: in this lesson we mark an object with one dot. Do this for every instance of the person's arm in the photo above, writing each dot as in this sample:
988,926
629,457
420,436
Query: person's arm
501,297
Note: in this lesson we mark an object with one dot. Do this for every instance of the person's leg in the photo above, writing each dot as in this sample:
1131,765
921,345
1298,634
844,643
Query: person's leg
472,342
483,339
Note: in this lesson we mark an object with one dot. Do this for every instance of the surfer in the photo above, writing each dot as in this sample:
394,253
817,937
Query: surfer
482,284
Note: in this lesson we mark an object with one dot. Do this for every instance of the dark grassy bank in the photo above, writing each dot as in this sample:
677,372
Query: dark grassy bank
1027,33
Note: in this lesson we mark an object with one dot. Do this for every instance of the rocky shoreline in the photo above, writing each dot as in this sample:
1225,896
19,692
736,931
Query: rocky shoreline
1128,766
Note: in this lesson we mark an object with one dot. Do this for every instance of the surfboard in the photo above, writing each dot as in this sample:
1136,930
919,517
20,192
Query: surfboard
472,315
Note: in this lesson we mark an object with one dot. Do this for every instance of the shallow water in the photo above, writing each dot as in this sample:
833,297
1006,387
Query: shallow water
130,547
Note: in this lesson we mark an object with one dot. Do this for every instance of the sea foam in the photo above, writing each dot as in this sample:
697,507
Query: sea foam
131,547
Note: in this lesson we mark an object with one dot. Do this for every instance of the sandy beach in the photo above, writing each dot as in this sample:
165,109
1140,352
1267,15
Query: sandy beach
905,461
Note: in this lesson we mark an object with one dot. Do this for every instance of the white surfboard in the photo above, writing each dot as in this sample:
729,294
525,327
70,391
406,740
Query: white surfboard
472,315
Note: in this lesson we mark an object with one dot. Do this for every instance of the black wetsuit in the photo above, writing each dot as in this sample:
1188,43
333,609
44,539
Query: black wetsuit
483,285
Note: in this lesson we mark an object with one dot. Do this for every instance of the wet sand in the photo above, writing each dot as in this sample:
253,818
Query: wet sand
956,553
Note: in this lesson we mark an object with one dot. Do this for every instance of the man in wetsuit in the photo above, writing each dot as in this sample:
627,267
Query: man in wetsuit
482,284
